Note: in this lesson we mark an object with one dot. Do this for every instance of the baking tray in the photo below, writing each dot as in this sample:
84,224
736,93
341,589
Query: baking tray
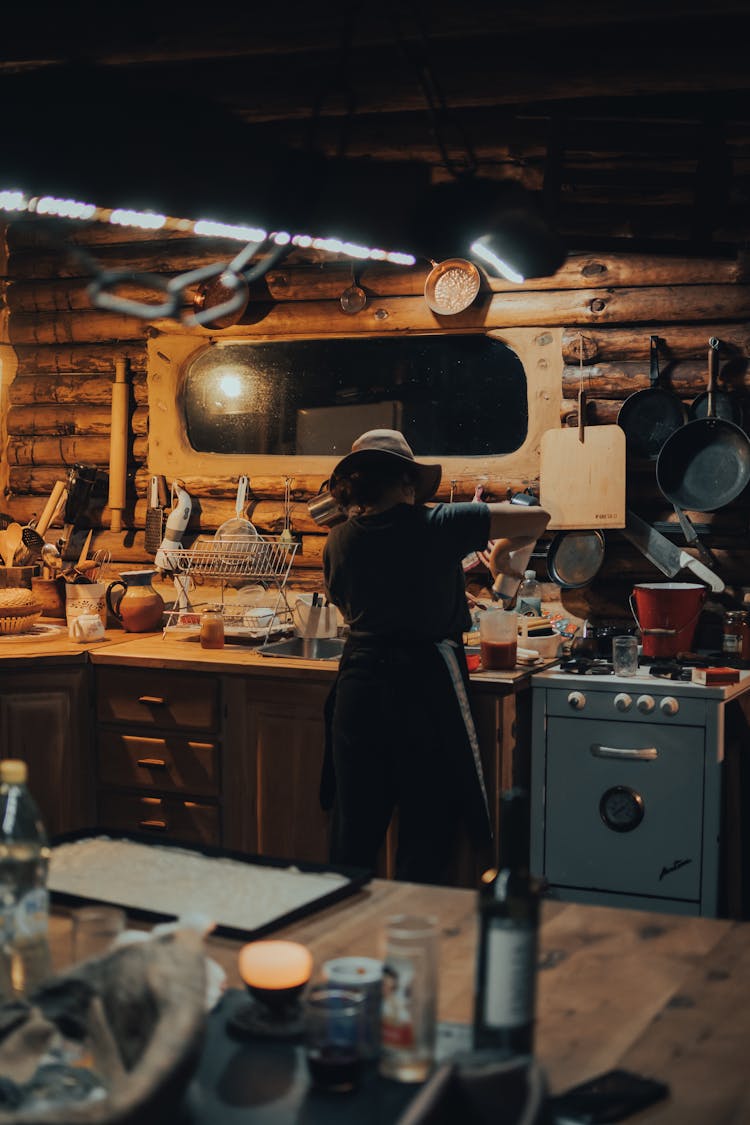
355,879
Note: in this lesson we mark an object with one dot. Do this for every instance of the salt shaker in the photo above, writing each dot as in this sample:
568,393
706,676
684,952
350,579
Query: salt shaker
408,1024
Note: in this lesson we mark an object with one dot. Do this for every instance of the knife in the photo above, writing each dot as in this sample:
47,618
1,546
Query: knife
669,558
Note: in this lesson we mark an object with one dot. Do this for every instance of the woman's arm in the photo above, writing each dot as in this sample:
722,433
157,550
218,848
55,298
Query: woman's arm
515,530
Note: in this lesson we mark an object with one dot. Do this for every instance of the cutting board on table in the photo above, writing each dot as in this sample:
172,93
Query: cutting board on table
582,475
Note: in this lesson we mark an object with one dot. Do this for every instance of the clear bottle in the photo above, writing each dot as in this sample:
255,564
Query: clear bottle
24,899
505,980
529,595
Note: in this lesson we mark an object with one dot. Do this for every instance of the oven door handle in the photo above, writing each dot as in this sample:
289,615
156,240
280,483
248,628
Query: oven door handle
647,754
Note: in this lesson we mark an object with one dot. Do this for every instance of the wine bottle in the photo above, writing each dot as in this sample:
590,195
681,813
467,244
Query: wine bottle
505,979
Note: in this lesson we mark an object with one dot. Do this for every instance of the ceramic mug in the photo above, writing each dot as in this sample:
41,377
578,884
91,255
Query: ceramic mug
86,597
86,627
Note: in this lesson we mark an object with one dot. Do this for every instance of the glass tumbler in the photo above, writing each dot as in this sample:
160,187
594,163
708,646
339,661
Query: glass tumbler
408,1023
334,1031
625,656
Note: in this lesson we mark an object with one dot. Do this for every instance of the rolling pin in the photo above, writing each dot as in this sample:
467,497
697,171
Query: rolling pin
118,450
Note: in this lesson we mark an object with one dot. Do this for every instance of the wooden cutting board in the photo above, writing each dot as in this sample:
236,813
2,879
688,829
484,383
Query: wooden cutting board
582,475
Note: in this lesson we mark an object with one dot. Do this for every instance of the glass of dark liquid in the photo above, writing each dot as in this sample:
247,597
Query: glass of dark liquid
334,1037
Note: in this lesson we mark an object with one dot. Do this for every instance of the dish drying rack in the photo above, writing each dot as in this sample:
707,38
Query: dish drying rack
266,560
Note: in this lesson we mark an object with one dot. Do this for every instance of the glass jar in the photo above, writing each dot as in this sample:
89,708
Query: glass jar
212,628
736,639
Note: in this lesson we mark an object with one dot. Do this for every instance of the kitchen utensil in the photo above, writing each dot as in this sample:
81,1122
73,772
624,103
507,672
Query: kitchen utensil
239,526
5,549
669,558
704,465
575,557
154,530
118,445
33,542
582,473
57,497
51,558
649,416
326,511
13,539
177,521
713,402
451,286
354,298
286,535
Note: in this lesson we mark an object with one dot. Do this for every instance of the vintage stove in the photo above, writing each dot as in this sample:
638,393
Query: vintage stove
629,779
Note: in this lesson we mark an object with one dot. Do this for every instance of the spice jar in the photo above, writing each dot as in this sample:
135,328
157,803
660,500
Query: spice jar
212,628
736,640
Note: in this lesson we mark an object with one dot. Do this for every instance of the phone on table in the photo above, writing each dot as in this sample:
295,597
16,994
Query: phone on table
612,1096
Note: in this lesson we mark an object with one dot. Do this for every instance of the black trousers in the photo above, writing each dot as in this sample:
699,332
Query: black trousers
397,741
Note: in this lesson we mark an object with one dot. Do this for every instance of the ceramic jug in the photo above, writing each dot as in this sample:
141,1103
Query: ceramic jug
139,607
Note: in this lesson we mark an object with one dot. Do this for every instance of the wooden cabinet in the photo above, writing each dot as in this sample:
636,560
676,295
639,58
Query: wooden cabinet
159,740
44,719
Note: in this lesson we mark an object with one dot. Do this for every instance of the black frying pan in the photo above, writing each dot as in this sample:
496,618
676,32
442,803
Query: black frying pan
650,416
575,557
705,465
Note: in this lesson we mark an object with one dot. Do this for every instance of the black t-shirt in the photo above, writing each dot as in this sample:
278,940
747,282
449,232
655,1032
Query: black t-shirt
398,573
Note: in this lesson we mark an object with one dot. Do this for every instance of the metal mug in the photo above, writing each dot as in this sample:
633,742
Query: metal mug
324,509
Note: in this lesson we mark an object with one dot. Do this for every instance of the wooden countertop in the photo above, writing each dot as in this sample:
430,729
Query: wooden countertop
157,651
664,995
53,646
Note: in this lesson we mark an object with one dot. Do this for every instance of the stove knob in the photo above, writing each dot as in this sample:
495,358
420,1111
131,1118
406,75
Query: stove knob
623,701
577,700
669,705
645,704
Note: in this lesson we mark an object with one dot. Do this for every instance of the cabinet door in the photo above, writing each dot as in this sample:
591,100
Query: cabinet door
287,735
44,721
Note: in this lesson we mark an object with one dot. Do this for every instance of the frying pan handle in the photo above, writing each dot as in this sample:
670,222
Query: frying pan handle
653,366
713,370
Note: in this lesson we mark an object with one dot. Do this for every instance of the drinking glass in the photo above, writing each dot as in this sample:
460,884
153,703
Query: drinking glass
498,639
625,656
95,929
334,1032
409,1009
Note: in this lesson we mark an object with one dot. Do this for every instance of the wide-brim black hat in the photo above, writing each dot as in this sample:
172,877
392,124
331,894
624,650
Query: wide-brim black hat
376,444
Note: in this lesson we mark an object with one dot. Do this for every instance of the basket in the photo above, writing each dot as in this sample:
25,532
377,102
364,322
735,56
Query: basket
19,623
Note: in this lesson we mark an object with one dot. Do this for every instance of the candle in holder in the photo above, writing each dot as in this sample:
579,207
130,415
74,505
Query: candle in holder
275,973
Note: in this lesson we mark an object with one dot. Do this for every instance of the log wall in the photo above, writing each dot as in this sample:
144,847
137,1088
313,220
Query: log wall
58,356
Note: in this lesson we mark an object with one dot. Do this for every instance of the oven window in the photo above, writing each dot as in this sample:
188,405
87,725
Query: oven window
461,395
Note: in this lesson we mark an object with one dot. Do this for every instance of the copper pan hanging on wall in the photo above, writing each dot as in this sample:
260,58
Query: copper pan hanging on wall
451,286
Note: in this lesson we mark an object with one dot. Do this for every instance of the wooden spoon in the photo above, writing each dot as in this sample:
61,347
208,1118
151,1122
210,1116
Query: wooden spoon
13,540
4,549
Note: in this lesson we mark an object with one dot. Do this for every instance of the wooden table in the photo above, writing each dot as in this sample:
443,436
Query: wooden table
664,995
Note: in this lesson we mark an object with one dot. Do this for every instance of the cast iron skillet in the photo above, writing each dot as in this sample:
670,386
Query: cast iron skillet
574,558
714,402
650,416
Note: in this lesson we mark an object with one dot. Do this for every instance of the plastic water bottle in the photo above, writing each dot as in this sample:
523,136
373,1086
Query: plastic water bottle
24,899
529,595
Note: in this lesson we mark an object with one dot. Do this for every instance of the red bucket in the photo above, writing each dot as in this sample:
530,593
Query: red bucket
667,614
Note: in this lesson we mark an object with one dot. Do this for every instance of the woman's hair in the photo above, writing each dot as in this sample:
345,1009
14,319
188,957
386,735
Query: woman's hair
370,481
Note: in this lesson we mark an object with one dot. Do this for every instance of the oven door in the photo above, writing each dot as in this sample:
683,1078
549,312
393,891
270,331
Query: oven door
624,807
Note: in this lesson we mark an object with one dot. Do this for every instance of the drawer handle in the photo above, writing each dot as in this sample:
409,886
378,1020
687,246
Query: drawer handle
153,825
647,754
152,763
156,700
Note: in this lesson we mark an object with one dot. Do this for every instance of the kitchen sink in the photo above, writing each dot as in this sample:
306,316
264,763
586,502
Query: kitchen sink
305,648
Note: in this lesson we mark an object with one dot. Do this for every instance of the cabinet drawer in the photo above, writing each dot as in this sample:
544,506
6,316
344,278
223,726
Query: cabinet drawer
161,699
173,763
161,817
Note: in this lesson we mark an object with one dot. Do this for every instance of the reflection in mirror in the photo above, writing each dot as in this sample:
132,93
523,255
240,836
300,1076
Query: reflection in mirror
450,395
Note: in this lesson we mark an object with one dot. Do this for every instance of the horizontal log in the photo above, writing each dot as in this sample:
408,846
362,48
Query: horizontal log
67,421
83,389
86,359
93,326
599,412
686,377
66,451
678,341
329,281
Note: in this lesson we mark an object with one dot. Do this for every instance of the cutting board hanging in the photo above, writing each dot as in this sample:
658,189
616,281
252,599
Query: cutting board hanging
582,473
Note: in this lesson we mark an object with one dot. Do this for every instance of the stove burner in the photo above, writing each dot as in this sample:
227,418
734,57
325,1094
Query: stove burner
671,670
587,666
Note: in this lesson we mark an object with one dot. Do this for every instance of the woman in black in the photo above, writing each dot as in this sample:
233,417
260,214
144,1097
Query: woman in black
400,728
